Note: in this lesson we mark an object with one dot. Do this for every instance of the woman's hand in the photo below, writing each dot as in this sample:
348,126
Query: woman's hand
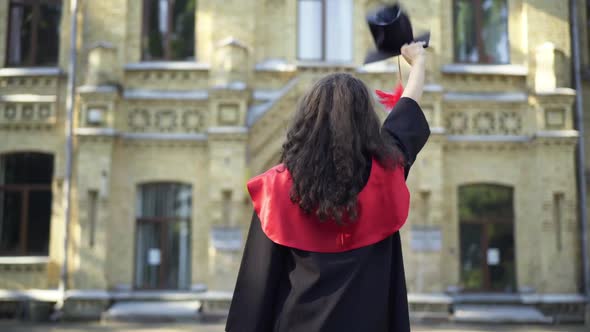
413,52
415,55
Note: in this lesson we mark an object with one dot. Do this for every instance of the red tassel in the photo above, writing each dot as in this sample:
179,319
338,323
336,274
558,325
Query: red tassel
390,99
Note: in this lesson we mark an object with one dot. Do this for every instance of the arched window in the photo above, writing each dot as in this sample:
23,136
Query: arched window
486,217
25,203
324,31
163,216
481,31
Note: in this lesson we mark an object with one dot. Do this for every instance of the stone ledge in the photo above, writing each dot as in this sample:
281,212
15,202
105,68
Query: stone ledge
504,97
28,98
146,94
30,71
164,136
489,138
303,64
97,89
477,69
227,130
17,260
557,134
557,92
167,65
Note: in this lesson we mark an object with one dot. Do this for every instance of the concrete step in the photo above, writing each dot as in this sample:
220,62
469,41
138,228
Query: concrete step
517,314
156,311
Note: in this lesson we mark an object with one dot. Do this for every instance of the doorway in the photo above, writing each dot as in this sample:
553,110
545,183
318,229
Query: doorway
486,218
162,257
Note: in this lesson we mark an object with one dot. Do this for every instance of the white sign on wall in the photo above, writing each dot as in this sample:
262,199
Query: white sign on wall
426,238
493,256
154,256
226,238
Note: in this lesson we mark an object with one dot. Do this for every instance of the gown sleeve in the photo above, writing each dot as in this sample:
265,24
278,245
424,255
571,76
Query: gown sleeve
253,303
406,125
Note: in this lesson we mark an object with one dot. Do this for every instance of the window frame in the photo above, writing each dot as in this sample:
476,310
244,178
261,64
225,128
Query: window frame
165,222
324,25
323,34
31,60
478,20
25,189
145,19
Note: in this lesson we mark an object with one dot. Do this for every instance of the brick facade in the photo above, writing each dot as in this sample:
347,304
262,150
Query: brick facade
214,122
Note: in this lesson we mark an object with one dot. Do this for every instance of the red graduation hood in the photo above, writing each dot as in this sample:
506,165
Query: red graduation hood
383,207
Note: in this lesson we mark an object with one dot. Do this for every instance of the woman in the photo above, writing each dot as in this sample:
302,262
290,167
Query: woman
323,252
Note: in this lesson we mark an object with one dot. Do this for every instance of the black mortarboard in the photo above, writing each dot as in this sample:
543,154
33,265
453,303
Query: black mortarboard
391,29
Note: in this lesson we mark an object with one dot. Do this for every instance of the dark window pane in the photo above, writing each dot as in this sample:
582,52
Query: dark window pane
148,255
10,220
19,35
39,213
465,34
154,30
182,41
471,256
481,31
164,200
169,29
26,168
495,31
502,274
33,33
48,34
485,201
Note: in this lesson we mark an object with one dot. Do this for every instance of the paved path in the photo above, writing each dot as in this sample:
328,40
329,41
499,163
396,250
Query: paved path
184,327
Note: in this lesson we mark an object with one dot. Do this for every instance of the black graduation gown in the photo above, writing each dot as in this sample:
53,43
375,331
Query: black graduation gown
286,289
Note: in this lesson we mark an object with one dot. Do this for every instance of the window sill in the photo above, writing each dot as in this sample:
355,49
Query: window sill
557,92
28,98
324,64
505,70
167,65
380,67
30,71
23,260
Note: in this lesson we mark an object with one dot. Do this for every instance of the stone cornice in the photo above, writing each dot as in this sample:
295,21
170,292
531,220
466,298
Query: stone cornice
167,65
477,69
30,71
147,94
501,97
28,98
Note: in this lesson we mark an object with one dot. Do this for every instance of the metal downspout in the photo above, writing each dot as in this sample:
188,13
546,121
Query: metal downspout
69,121
580,152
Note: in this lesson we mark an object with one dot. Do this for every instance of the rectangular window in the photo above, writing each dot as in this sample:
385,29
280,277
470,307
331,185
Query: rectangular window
33,32
163,212
25,203
324,30
168,30
481,31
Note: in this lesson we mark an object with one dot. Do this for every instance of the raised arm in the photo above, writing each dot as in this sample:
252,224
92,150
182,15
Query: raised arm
414,54
406,124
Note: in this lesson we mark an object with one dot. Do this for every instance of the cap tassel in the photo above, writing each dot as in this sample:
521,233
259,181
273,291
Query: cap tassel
390,99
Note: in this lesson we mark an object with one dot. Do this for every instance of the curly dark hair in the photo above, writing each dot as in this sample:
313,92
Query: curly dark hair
333,136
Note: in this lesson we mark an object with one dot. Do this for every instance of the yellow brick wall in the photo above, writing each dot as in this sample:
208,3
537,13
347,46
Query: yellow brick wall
268,28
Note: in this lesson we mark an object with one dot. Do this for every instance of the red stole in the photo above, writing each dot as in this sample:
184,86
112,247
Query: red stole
383,207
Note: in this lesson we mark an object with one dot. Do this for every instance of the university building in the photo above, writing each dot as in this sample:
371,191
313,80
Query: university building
178,102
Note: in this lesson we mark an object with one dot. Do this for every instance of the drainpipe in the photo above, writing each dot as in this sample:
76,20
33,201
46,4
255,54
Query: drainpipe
580,153
67,185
